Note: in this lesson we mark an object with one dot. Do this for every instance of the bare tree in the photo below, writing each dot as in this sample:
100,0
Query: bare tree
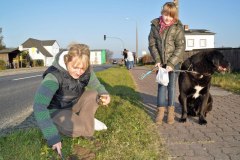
109,55
2,45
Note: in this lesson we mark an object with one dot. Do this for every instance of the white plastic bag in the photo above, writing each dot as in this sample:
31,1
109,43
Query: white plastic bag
98,125
162,77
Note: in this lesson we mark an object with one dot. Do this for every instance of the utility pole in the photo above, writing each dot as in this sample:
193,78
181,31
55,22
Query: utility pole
136,38
136,43
176,3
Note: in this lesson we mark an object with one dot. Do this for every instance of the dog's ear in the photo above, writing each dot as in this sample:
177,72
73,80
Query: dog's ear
186,64
209,57
214,57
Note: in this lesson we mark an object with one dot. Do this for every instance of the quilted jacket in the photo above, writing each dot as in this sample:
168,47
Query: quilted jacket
169,46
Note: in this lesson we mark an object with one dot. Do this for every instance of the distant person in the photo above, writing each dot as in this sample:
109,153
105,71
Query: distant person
125,56
62,104
130,60
167,46
135,58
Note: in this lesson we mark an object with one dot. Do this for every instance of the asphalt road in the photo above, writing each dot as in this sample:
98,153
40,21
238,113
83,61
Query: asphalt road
17,92
16,95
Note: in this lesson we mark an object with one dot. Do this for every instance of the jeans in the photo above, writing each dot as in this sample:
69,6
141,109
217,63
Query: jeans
130,64
170,89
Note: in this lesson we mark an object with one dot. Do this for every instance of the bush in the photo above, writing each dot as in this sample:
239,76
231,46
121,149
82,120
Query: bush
38,63
147,59
2,65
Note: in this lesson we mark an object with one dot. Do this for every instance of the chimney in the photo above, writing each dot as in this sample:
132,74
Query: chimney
186,27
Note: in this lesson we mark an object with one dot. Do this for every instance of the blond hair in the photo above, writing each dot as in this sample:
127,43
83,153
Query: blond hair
170,8
78,50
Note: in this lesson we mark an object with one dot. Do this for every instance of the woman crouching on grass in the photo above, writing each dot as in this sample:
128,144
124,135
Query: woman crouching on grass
62,104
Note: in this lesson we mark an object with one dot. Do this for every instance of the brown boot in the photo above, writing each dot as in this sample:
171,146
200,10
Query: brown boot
171,115
160,115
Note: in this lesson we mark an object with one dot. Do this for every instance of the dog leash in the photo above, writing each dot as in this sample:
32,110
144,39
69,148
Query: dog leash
194,72
185,71
144,75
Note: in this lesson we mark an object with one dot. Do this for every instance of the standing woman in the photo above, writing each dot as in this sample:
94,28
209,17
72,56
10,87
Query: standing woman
167,46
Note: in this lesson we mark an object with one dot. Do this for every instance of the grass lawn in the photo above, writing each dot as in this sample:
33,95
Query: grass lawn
131,133
228,81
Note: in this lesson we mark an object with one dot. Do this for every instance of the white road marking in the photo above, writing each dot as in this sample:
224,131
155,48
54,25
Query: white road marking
26,77
198,89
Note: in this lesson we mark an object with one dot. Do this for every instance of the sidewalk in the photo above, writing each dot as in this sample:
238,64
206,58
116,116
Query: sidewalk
218,140
8,72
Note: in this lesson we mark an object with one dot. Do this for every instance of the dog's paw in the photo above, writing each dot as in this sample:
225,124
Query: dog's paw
202,122
183,120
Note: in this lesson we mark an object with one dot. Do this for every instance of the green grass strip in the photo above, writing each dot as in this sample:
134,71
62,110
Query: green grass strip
131,133
229,81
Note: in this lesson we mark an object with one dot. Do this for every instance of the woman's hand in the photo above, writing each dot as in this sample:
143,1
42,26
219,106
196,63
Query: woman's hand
105,98
58,146
158,65
169,69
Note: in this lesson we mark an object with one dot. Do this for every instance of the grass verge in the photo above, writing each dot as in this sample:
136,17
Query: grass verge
228,81
131,134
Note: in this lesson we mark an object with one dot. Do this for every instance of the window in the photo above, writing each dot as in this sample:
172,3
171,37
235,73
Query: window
190,43
203,43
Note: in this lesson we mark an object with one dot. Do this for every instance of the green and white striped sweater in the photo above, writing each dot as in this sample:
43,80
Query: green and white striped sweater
42,99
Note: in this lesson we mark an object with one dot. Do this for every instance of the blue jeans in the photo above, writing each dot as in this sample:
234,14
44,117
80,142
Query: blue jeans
162,99
130,64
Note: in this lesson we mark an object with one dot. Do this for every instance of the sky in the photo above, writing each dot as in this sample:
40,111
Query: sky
87,21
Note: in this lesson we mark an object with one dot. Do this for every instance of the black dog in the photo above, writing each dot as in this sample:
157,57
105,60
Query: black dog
194,84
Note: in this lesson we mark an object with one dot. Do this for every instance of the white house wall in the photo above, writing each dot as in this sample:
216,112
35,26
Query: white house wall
95,57
53,50
35,53
49,48
49,61
194,41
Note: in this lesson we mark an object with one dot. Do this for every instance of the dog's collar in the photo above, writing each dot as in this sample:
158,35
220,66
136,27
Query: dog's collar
195,72
201,74
205,74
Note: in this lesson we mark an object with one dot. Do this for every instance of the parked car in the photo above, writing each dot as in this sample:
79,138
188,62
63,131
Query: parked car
114,61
